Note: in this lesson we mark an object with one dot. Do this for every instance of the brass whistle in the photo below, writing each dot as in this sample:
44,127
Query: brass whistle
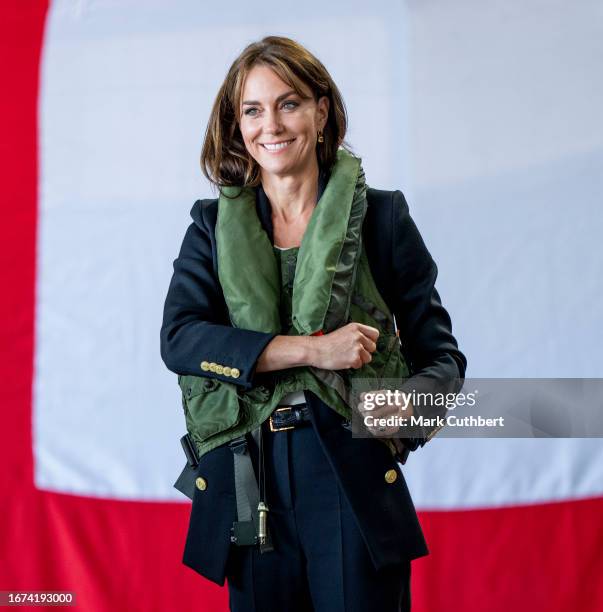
263,514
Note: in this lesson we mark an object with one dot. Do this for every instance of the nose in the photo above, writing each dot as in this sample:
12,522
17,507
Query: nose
272,122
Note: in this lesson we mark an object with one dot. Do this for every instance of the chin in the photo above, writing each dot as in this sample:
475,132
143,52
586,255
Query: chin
275,166
277,170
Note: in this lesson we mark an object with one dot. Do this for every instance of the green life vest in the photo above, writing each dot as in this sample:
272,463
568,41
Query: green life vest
332,286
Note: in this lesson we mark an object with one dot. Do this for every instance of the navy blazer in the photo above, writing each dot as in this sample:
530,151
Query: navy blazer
196,327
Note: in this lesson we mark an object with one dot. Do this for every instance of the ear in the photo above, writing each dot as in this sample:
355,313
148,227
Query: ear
323,111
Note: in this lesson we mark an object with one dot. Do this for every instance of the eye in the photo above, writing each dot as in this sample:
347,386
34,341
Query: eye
249,111
290,104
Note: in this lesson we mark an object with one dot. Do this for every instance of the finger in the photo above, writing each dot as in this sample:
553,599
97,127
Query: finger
362,358
383,430
389,410
362,396
384,414
368,344
365,356
367,330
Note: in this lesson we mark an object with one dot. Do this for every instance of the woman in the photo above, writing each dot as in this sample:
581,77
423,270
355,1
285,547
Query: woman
283,295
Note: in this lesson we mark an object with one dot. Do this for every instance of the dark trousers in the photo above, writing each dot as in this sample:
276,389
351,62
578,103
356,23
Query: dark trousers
320,562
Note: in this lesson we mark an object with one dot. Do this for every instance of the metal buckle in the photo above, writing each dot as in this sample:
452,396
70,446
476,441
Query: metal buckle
273,428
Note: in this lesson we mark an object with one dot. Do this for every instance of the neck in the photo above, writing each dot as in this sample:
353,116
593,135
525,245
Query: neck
292,196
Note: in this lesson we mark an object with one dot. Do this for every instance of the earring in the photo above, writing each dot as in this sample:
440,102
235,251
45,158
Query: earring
320,136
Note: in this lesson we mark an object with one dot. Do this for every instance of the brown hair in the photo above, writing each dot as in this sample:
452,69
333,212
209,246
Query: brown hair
224,158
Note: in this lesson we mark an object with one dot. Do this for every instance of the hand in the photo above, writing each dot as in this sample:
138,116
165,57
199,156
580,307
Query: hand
395,405
349,346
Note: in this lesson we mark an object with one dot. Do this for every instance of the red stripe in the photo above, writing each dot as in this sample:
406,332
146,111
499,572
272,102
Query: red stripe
21,28
114,555
545,557
127,555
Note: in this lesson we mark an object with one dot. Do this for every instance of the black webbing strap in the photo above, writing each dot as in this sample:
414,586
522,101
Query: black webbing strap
245,529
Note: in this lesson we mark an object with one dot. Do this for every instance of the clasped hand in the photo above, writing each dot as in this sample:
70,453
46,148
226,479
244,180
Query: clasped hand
351,346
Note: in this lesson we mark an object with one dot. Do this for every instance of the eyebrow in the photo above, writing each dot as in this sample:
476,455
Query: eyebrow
286,94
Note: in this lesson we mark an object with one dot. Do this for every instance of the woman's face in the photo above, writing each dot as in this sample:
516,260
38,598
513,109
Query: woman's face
272,113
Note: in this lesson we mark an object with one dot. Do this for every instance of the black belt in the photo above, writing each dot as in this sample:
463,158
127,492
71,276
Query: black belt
289,417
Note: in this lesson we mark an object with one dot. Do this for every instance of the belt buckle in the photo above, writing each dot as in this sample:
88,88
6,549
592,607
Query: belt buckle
273,428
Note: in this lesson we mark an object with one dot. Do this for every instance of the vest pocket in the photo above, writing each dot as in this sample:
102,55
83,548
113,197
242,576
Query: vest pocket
211,406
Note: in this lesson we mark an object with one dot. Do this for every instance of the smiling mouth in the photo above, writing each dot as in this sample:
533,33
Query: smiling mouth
277,146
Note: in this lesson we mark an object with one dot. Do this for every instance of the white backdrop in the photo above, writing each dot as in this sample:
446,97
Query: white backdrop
487,117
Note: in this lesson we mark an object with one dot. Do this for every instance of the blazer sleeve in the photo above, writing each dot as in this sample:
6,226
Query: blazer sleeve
425,327
196,327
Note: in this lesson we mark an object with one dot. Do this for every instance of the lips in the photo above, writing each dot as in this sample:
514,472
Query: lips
277,146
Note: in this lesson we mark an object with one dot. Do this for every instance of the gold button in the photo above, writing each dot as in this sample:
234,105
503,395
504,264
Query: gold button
213,366
219,369
201,483
227,371
235,373
204,366
390,476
